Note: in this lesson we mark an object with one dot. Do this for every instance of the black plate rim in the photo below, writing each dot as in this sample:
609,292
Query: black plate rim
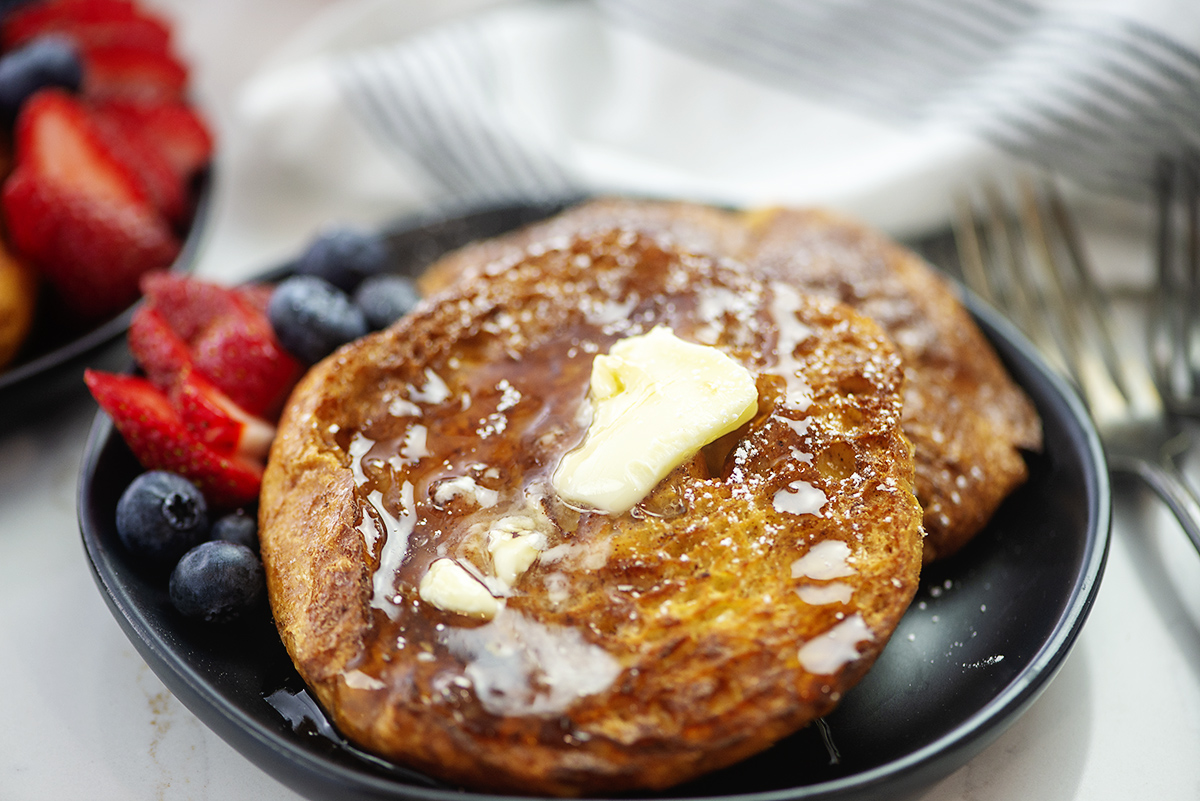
917,769
22,375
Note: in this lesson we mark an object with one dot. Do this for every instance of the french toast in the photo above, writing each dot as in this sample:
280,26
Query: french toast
18,300
968,421
736,602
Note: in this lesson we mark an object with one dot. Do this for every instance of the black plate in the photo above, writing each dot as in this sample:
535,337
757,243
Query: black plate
988,630
51,365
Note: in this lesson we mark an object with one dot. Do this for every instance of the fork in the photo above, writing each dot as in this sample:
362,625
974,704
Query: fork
1029,263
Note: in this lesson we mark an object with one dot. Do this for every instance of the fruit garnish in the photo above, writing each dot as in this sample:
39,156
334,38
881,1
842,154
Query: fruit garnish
229,339
158,350
217,582
386,298
312,317
87,23
159,439
132,73
175,128
237,526
161,516
216,420
79,213
344,256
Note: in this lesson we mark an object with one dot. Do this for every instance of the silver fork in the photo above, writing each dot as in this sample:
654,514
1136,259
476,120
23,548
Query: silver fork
1029,263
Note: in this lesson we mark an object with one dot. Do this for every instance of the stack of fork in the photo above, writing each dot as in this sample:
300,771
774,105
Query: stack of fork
1029,263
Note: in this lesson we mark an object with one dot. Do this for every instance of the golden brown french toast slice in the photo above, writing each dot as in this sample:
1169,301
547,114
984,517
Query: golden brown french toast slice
968,421
454,613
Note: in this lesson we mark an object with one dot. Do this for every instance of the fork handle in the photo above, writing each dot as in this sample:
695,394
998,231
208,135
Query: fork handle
1167,480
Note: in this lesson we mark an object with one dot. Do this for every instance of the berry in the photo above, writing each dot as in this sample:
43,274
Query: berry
161,516
50,61
386,298
344,257
217,582
312,317
159,440
227,336
174,127
236,527
131,73
143,31
217,421
160,353
78,212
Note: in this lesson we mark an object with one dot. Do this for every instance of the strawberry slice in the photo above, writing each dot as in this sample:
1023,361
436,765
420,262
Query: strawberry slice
217,421
132,73
28,21
156,347
159,439
136,147
78,212
187,304
141,32
176,130
242,356
229,337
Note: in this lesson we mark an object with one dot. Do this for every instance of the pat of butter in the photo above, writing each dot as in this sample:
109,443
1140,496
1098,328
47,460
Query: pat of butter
514,550
448,586
656,400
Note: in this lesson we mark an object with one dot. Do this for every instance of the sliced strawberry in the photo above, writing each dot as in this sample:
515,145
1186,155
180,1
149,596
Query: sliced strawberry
159,440
139,33
229,337
136,147
158,350
257,296
176,129
33,19
133,74
189,305
78,212
241,355
217,421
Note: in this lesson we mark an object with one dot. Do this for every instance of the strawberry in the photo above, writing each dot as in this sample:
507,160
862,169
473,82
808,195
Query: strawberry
242,356
78,212
175,128
159,439
28,21
132,73
217,421
137,149
229,337
141,32
158,350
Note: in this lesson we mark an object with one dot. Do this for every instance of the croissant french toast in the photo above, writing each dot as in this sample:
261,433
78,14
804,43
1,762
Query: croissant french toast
968,421
454,608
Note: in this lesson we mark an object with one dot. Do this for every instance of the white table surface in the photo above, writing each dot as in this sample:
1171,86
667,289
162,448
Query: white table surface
84,717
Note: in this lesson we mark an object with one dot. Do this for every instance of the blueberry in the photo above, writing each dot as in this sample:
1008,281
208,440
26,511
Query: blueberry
384,299
160,516
312,317
344,257
46,61
236,527
217,581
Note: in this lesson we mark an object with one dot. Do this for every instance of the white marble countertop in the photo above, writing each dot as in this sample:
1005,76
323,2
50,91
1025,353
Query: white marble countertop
84,717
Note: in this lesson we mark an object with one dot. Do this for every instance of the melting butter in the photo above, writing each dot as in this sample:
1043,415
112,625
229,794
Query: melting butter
451,588
656,400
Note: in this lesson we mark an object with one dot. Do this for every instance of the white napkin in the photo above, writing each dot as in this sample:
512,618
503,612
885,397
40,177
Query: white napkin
881,108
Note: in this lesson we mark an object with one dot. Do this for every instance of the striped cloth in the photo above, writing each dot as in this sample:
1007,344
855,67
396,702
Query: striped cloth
875,106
